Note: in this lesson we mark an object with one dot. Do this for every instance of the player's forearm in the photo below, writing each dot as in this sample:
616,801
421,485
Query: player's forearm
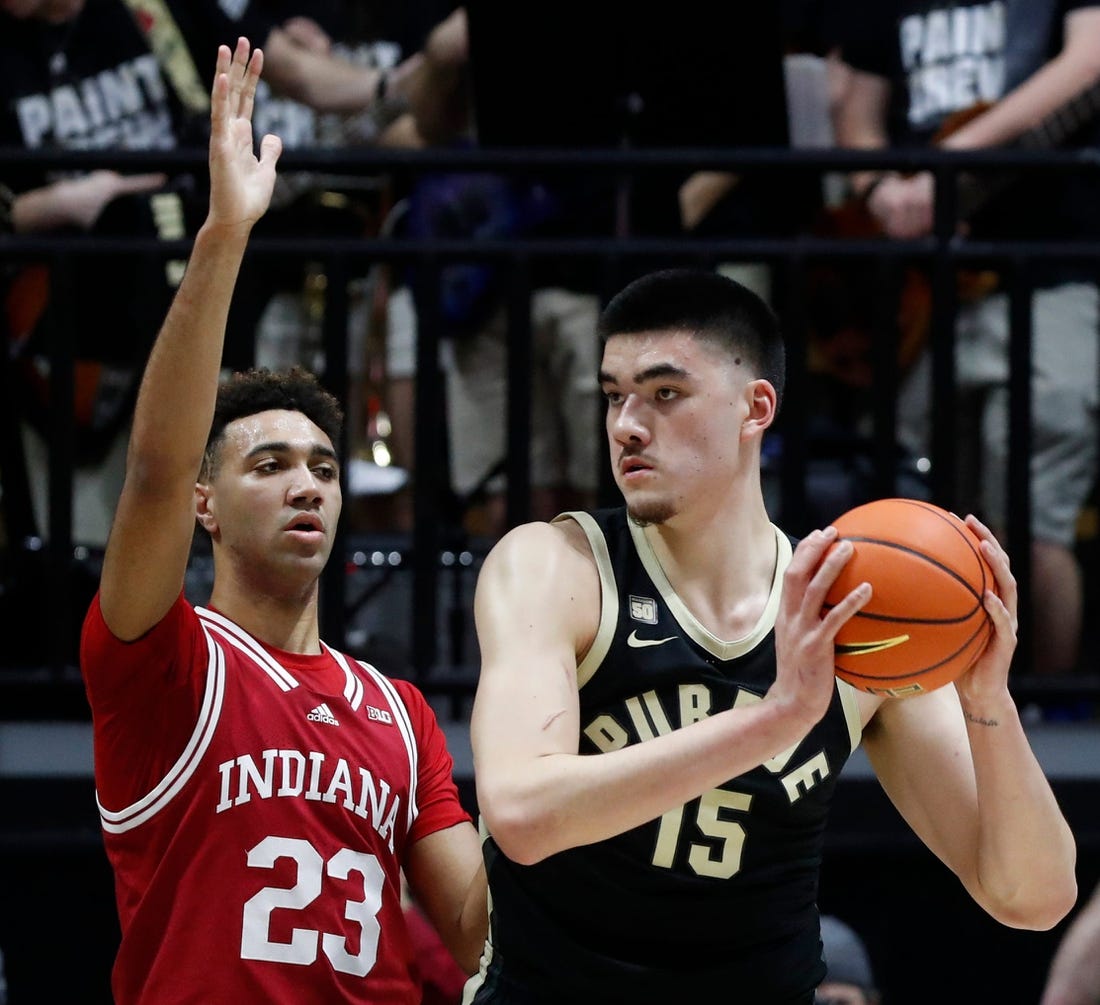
473,924
176,402
1026,851
537,806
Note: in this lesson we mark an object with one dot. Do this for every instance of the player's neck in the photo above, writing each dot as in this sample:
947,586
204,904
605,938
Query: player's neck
722,567
287,621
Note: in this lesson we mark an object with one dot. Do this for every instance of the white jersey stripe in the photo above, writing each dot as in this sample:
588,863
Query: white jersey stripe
353,686
248,645
404,723
119,821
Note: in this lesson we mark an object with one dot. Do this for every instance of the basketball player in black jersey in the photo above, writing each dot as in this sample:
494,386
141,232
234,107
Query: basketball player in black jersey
684,868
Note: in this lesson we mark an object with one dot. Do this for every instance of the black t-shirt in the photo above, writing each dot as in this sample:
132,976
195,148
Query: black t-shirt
90,83
945,58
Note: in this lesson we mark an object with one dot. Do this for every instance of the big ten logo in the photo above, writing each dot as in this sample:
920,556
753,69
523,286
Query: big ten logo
379,715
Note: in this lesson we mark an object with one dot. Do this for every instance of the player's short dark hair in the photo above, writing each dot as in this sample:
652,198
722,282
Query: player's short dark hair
705,304
250,391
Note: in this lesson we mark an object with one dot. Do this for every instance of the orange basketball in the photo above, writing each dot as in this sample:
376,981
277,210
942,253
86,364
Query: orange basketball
925,623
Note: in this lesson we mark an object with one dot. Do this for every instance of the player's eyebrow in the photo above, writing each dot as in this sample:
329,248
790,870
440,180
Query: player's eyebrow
282,447
655,372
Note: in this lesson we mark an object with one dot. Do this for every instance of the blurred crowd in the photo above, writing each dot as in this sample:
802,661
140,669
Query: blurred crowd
132,75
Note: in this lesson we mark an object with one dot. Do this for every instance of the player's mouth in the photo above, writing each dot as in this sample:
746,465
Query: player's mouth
307,526
634,467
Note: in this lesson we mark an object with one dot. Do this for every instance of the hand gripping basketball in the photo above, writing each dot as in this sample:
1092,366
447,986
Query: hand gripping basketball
925,623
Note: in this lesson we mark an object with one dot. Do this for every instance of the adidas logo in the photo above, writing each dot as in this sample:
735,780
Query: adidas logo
322,713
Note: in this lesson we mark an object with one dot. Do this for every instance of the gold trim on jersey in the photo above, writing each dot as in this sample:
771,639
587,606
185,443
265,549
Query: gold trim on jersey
609,596
850,703
702,636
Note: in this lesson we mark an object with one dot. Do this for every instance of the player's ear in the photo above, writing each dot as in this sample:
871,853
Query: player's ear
204,510
763,403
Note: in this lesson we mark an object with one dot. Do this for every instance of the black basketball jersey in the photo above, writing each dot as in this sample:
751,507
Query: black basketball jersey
715,900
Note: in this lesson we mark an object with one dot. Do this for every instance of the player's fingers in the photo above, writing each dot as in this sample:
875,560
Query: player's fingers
270,148
1004,620
803,565
225,58
835,615
219,97
833,620
237,73
979,528
810,549
997,559
251,79
836,557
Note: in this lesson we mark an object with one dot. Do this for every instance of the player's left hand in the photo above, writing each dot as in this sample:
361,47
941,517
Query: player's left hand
988,677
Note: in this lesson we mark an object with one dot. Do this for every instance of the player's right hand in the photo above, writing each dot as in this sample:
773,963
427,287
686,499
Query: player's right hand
805,634
240,183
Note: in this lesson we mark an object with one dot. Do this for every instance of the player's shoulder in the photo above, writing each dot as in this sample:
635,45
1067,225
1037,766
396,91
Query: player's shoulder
561,540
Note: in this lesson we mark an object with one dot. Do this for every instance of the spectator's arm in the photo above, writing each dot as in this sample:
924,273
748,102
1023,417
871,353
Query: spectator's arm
75,202
859,117
329,83
1074,69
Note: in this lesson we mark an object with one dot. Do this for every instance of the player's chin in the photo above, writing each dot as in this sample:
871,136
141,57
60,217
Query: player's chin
647,510
309,553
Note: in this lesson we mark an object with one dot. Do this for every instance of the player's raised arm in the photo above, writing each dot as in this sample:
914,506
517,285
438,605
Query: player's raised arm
148,548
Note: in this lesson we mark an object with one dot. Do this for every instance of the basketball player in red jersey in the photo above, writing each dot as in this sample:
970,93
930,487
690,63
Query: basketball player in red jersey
260,793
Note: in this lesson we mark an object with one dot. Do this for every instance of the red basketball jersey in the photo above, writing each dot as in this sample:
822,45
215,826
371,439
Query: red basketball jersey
256,808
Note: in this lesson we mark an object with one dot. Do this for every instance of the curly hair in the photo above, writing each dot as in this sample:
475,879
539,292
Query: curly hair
250,391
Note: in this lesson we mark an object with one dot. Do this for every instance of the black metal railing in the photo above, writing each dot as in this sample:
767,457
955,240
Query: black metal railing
792,257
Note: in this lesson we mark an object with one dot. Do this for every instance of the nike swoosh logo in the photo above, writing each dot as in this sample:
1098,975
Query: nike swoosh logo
863,648
634,642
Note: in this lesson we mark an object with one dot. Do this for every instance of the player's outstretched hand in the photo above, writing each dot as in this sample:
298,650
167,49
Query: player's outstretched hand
989,675
240,183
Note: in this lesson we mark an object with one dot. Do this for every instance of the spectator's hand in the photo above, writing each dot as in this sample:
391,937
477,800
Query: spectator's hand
82,200
403,77
988,678
307,33
903,206
240,184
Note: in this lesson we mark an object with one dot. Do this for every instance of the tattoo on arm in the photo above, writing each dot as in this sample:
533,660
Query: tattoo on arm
978,720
